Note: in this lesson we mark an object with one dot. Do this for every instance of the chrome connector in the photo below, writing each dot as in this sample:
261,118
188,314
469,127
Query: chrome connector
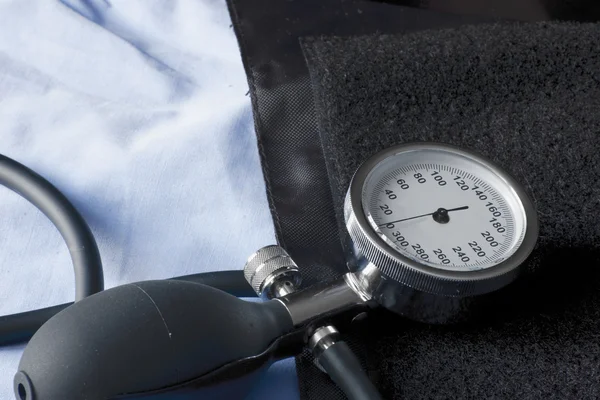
322,339
272,273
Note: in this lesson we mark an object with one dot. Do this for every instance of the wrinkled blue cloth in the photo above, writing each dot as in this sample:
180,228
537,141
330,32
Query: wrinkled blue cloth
136,110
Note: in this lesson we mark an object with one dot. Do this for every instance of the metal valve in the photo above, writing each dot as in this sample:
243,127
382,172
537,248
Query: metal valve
272,273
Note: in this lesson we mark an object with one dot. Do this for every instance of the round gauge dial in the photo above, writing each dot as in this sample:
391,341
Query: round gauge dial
439,219
444,210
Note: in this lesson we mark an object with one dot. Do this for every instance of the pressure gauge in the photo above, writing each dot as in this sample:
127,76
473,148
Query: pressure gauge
439,219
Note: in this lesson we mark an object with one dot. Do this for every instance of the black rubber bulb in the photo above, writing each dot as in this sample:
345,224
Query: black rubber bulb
144,337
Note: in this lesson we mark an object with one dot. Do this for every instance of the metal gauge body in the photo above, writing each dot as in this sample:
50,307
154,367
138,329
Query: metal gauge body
439,219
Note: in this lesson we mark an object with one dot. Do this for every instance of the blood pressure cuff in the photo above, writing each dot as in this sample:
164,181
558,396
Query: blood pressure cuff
527,96
541,337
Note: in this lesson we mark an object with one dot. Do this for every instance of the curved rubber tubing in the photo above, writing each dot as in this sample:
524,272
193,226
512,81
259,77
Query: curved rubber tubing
345,370
74,230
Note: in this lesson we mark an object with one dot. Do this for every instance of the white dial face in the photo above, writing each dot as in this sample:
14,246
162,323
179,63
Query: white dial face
444,210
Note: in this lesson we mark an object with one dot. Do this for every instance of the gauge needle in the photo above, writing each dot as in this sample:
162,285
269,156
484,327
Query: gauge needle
440,215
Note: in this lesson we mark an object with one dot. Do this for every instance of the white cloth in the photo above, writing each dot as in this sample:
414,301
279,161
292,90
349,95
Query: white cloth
136,110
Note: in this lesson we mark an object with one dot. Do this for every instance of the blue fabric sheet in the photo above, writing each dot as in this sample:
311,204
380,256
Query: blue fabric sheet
137,110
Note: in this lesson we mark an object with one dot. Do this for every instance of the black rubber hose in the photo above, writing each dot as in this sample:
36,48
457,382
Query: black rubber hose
68,221
84,252
232,282
345,370
74,230
19,328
